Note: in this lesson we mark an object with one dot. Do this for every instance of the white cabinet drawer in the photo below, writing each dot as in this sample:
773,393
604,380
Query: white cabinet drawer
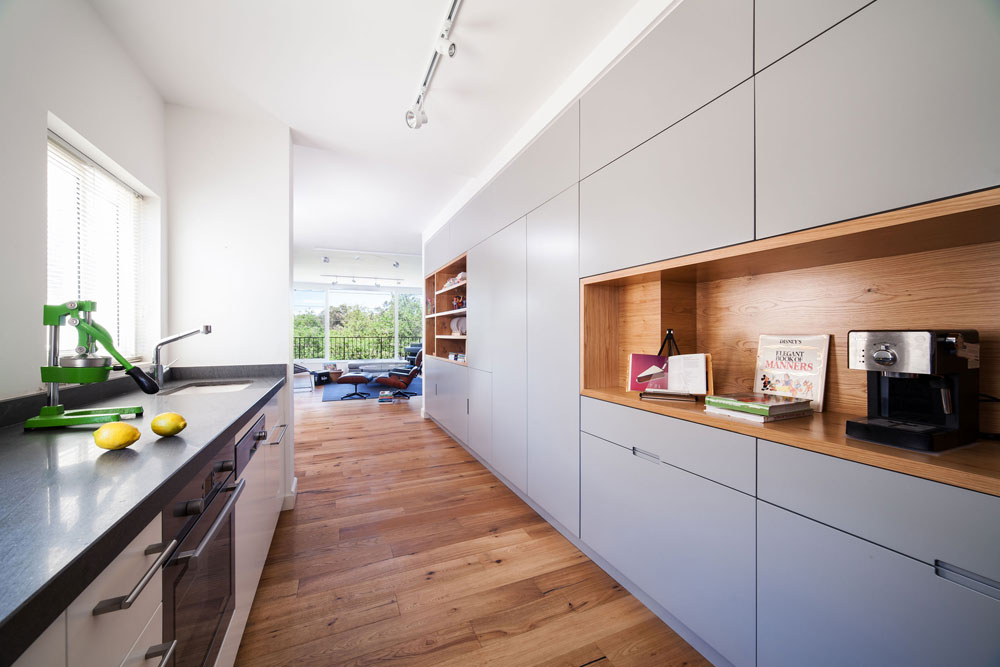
828,598
150,638
722,456
926,520
105,639
686,541
49,650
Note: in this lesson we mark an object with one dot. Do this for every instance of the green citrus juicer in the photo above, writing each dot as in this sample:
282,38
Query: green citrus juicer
85,367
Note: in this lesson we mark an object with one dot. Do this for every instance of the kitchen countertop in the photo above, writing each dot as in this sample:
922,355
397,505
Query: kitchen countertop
68,507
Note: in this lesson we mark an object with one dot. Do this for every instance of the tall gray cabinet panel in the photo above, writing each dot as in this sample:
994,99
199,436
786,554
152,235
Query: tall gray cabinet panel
547,167
485,270
481,413
783,25
700,50
686,541
828,598
688,189
437,250
894,106
554,358
509,343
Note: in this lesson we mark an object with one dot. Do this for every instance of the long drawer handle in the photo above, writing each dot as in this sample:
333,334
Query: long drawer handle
283,427
162,651
191,557
126,601
643,454
970,580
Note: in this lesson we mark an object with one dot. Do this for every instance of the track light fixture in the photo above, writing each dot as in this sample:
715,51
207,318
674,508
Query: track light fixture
416,117
395,264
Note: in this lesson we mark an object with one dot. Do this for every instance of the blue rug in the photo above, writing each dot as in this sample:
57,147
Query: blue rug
334,392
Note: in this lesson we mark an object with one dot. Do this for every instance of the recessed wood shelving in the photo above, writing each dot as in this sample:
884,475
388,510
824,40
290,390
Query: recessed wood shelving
447,304
935,265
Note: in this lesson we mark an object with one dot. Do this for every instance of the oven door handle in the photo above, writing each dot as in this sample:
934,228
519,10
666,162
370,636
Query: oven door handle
126,601
191,557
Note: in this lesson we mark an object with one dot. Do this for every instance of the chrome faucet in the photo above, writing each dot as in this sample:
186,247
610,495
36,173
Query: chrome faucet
158,368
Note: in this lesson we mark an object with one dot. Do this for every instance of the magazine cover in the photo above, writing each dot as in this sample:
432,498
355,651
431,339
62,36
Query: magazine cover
793,365
647,371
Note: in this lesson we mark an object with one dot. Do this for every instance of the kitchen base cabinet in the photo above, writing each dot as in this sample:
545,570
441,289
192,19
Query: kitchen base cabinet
49,650
151,637
684,540
105,639
828,598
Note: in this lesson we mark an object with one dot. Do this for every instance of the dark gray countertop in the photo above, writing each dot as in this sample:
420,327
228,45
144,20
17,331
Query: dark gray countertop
67,507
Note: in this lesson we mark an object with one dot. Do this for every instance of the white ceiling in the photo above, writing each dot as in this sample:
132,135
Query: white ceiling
341,74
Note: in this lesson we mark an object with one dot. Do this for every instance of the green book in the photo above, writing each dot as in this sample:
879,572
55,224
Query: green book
758,404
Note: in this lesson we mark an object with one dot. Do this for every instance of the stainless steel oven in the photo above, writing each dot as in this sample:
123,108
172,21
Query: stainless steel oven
198,579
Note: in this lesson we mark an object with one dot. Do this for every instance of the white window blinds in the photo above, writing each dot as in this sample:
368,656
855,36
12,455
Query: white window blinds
94,243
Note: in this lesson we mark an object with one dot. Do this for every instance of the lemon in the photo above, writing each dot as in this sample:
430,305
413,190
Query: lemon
169,423
116,435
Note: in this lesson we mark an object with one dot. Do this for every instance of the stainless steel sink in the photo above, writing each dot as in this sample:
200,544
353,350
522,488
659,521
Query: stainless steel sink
207,387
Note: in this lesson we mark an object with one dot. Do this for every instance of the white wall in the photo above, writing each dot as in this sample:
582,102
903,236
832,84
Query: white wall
229,237
57,57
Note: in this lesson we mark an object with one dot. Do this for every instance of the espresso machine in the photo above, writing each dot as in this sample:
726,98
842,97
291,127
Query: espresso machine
923,387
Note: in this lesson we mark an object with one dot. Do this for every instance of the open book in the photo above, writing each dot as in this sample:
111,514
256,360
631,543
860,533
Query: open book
677,374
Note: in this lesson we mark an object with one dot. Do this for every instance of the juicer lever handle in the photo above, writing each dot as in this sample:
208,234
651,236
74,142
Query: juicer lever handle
146,383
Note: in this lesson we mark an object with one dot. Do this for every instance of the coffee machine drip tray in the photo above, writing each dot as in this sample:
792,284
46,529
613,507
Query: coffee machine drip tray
911,435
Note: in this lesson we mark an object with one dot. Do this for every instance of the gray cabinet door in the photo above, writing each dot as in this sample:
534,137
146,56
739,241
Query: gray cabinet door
432,381
686,190
482,265
828,598
481,413
781,26
686,541
547,167
509,342
697,52
437,250
896,105
455,399
554,358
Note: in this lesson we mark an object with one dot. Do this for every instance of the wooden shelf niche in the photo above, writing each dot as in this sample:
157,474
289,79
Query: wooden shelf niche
439,338
935,265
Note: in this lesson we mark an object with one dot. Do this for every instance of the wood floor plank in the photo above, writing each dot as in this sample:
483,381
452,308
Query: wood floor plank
403,549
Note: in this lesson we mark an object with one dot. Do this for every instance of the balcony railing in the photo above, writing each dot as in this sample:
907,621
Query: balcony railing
351,347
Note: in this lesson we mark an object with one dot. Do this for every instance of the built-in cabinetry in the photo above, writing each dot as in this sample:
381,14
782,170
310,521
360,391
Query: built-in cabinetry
553,347
685,540
81,638
874,568
891,108
446,387
446,310
255,518
781,26
699,51
663,198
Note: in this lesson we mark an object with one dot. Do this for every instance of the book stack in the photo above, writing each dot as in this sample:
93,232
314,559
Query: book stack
385,397
756,407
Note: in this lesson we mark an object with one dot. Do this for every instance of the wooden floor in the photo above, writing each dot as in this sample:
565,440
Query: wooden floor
403,549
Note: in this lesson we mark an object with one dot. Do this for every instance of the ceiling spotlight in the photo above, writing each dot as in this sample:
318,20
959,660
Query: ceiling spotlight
399,282
416,117
333,282
354,280
446,47
326,260
357,257
395,264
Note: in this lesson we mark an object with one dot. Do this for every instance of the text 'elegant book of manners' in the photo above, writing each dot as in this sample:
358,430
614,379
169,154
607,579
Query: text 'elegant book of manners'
793,365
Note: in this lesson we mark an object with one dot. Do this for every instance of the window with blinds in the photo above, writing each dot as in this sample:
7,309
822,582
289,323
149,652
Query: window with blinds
94,243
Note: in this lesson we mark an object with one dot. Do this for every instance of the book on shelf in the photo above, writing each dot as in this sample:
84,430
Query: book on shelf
667,396
767,405
676,374
793,365
751,417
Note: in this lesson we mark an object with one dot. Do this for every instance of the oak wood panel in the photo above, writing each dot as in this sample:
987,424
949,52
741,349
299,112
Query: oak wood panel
403,549
975,467
955,288
599,339
638,323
